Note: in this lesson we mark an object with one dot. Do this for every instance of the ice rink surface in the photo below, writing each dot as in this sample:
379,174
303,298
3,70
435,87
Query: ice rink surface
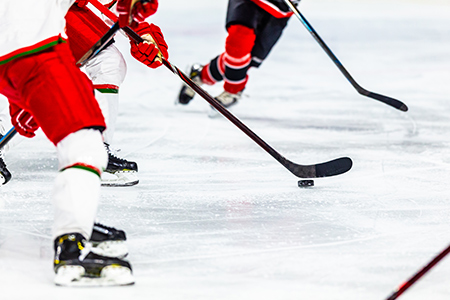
215,217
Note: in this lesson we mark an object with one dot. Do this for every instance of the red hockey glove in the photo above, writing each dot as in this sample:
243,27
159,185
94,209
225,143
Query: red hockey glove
147,52
23,121
142,10
138,10
81,3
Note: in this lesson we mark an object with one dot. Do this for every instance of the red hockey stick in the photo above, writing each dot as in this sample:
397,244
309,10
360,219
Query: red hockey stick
418,275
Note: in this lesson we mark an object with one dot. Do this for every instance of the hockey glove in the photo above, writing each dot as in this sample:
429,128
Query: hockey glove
23,121
137,10
149,52
81,3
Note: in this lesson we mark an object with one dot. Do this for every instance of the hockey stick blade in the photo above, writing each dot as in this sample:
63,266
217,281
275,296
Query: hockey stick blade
326,169
387,100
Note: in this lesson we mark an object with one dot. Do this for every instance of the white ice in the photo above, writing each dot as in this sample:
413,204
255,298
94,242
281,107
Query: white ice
215,217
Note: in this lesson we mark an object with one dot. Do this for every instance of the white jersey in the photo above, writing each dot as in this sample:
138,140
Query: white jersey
28,25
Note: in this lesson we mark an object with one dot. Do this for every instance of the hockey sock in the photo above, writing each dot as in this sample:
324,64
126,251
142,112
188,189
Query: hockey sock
237,57
107,96
82,158
214,71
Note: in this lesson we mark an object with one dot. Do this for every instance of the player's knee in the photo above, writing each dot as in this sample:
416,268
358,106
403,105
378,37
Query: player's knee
240,41
83,149
109,67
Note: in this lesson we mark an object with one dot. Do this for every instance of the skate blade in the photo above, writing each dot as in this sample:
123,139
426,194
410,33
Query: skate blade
2,179
110,248
109,276
119,179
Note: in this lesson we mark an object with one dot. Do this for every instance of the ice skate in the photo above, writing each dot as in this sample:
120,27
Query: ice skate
5,175
227,100
186,93
119,172
77,264
109,241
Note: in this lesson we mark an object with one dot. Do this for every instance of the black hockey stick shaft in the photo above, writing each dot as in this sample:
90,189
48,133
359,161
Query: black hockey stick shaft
387,100
330,168
7,137
99,46
418,275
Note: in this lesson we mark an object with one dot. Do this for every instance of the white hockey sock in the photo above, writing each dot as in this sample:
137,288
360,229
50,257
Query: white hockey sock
75,196
82,157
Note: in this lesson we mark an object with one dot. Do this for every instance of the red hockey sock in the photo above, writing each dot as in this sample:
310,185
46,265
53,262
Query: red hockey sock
237,57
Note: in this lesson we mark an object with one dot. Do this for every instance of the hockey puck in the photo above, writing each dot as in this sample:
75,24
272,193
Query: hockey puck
305,183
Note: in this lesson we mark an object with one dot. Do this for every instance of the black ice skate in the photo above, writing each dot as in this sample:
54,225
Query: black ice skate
5,175
186,93
109,241
77,264
227,100
119,172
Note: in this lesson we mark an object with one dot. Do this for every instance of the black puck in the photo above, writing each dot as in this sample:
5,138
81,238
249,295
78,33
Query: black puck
305,183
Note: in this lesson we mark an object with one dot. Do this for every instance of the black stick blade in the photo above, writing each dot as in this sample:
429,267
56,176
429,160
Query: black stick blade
334,167
388,100
326,169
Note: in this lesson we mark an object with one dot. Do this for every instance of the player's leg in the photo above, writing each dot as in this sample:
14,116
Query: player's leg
107,72
267,35
232,65
60,98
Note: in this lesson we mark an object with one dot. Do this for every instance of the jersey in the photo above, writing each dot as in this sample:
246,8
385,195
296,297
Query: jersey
21,37
277,8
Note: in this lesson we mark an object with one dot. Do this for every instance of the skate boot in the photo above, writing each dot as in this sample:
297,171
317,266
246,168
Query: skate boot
5,175
77,264
186,93
119,171
227,100
109,241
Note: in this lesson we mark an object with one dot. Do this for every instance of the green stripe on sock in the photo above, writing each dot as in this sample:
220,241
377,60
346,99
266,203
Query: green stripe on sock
82,168
108,91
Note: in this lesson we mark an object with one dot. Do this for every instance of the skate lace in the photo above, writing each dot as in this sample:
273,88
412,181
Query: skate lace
100,225
112,153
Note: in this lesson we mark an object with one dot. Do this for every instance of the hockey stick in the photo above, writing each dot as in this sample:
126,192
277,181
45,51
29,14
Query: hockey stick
387,100
330,168
99,46
7,137
418,275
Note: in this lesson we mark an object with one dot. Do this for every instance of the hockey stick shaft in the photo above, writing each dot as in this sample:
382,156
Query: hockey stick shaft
387,100
7,137
418,275
330,168
99,46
